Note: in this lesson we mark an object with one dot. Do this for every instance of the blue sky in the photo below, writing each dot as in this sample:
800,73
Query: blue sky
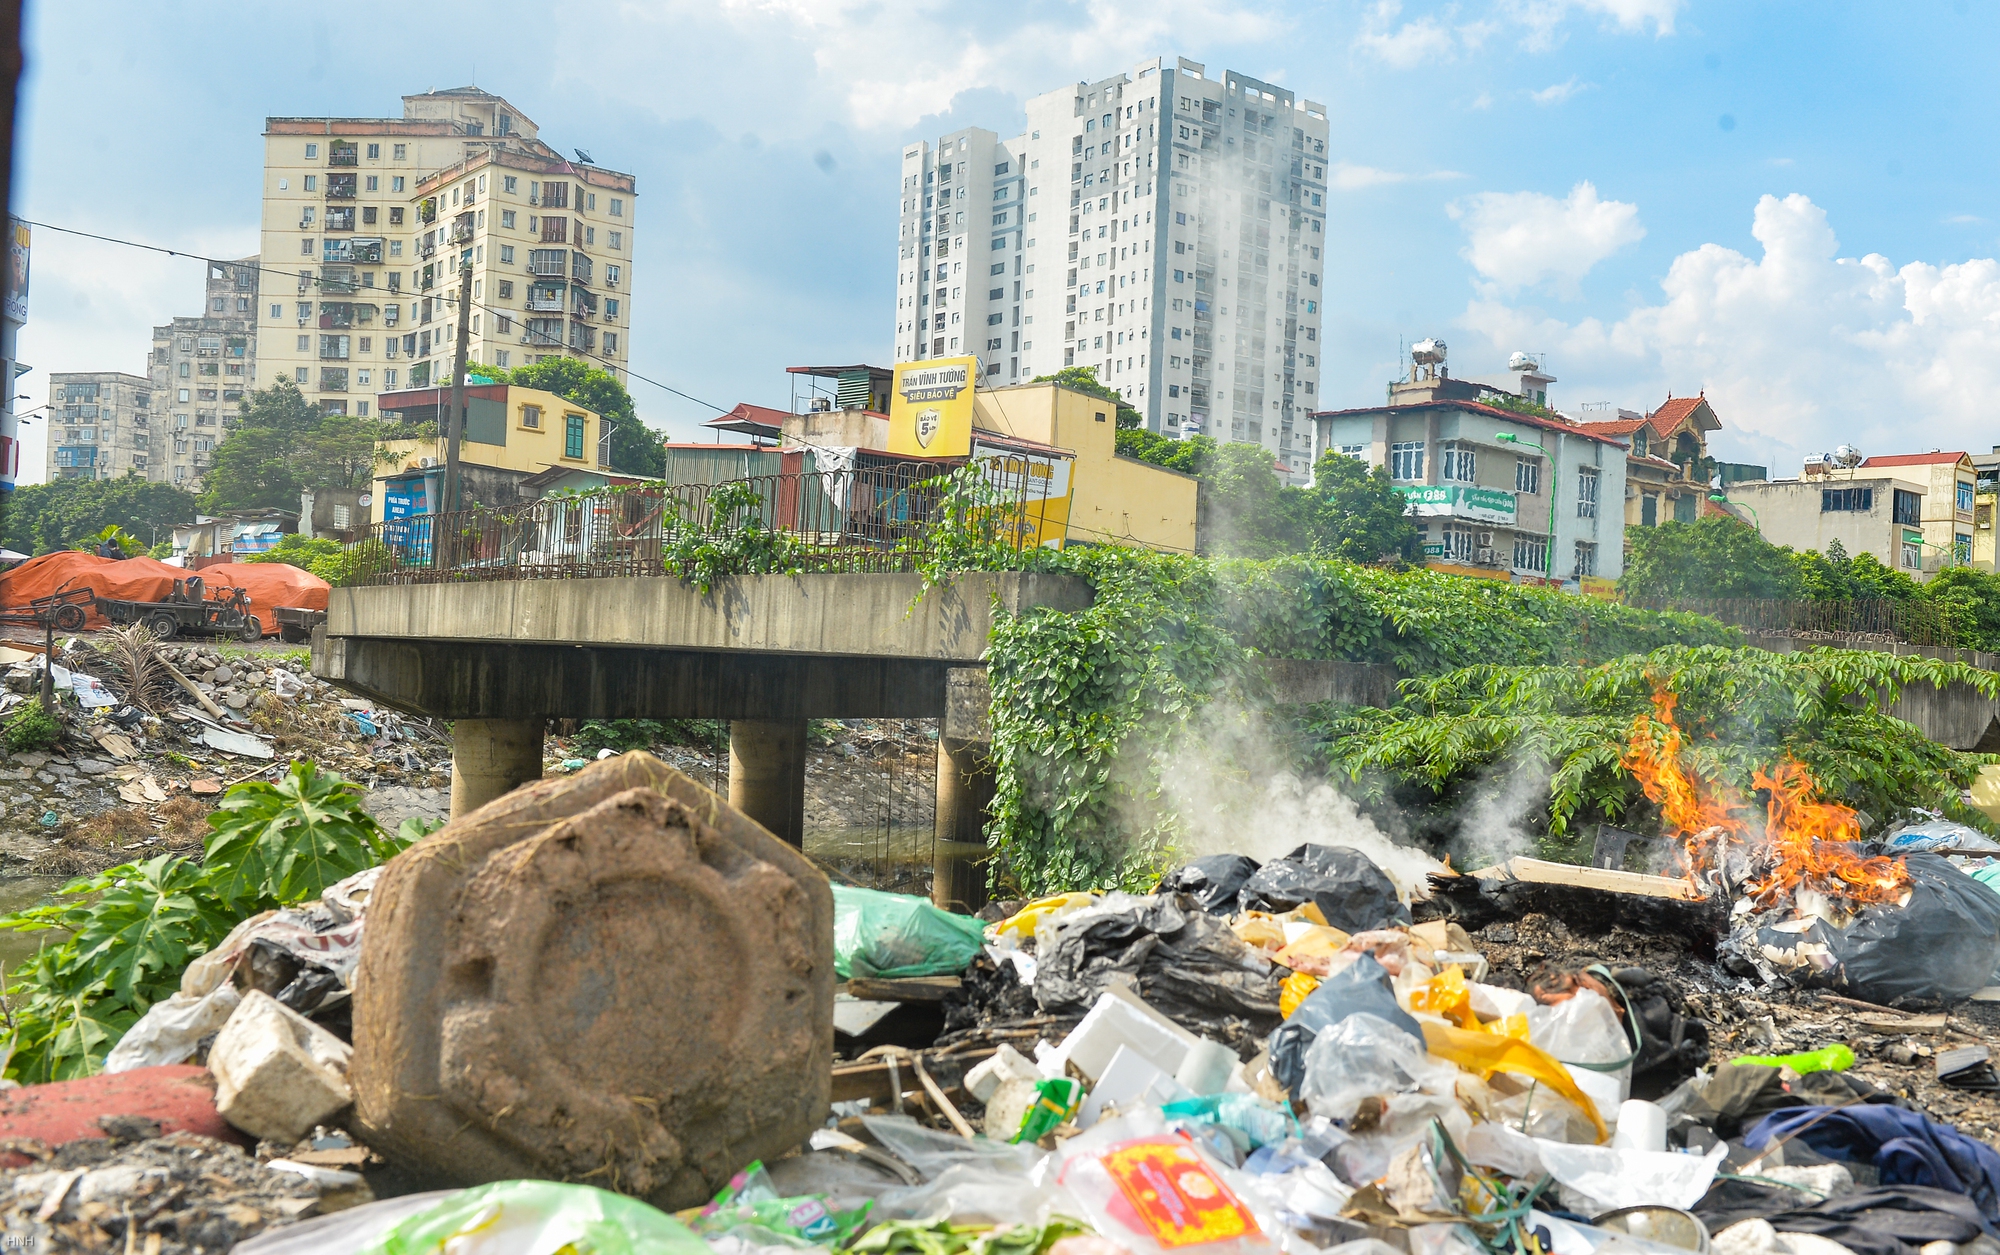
1789,205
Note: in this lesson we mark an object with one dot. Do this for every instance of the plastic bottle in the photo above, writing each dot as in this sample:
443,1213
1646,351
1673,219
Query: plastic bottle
1834,1058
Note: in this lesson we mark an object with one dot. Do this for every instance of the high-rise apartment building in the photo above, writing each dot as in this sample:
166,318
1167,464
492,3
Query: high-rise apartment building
1163,226
201,367
100,425
373,216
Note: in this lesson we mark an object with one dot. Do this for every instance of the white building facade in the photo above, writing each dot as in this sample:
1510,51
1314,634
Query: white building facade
1162,226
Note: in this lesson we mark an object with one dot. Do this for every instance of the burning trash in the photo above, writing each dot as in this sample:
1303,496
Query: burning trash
1809,900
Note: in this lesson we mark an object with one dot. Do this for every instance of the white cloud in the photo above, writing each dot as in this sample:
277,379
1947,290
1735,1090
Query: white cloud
1518,239
1438,36
1557,93
1348,177
1799,349
1409,45
1484,100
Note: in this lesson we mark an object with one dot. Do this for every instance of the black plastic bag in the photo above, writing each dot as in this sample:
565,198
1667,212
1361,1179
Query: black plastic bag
1213,881
1944,944
1187,964
1351,892
1361,986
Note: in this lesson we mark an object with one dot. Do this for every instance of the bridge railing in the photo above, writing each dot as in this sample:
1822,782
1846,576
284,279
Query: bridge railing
859,519
1869,618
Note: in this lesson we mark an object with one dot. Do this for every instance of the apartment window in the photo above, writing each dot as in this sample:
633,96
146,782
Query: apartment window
1908,507
396,185
277,311
1406,460
374,185
1965,496
1586,496
1846,500
1961,548
617,207
299,375
531,416
500,358
1527,476
305,344
1531,553
312,151
1913,551
312,182
389,377
572,435
508,183
1457,462
395,250
1359,452
610,342
1586,558
612,274
611,309
184,371
506,254
590,236
617,240
399,152
374,151
507,220
505,289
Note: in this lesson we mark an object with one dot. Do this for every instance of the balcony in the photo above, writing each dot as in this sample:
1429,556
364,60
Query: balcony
339,218
341,186
340,154
552,262
579,268
545,300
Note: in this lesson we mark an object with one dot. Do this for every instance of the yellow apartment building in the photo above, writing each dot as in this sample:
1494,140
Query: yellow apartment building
511,434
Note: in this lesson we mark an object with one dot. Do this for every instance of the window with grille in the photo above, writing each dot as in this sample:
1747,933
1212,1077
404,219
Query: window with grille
1527,476
1586,495
1457,462
1406,460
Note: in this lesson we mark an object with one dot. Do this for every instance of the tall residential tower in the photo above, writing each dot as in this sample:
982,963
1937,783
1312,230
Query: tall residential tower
375,216
1163,226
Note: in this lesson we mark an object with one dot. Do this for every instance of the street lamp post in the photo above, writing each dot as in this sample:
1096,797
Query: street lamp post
1758,522
1549,547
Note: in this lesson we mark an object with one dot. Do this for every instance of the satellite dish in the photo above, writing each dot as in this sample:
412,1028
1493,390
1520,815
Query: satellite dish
583,156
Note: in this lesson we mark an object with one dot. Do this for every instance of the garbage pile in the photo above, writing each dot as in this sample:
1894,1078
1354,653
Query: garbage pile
153,734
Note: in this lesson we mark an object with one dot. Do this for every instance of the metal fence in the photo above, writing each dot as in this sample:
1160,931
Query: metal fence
1873,618
865,519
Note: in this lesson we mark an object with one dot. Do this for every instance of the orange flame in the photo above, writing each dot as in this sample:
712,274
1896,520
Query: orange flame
1802,838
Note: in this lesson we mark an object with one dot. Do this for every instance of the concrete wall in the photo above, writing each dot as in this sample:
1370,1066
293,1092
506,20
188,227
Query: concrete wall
829,615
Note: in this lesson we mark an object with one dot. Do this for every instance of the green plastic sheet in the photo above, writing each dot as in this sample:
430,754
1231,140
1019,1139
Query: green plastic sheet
538,1218
892,935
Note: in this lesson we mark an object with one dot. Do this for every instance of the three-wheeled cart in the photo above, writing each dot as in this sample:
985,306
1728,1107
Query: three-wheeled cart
296,623
189,611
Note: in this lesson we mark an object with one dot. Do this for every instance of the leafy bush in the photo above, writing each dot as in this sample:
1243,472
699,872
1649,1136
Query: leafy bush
624,735
1739,709
734,541
133,928
33,728
321,555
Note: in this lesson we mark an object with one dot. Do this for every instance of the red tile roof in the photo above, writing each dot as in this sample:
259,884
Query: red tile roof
1672,411
1933,458
1616,427
1474,407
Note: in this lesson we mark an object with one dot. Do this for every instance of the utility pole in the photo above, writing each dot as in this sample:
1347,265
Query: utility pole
454,425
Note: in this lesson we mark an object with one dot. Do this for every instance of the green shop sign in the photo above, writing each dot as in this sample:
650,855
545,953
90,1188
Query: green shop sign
1488,505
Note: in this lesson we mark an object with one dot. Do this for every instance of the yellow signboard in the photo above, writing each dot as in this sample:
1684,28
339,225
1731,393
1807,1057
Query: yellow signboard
930,415
1033,489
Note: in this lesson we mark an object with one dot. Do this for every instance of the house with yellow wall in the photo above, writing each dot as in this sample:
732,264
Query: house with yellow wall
1114,500
511,434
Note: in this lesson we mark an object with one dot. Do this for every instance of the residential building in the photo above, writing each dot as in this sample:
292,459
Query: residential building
511,435
201,368
1913,511
375,215
1985,495
1668,473
100,425
1498,493
1183,256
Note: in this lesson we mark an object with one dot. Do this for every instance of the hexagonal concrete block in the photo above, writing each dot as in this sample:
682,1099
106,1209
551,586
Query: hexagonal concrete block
609,977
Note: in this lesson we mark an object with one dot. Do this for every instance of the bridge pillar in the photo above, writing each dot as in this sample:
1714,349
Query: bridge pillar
767,774
964,792
491,757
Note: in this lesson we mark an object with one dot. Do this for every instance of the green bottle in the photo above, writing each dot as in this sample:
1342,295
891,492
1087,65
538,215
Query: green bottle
1834,1058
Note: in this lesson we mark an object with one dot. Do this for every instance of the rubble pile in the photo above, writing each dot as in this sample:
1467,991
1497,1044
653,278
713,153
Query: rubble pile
135,772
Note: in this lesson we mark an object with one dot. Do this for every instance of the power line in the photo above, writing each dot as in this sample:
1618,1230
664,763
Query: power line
316,281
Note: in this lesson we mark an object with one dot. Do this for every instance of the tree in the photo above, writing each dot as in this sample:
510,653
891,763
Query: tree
284,443
1716,556
635,448
42,518
1357,513
1244,512
1191,456
1084,379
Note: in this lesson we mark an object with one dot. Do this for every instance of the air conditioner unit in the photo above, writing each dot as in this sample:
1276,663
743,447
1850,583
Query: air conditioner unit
427,463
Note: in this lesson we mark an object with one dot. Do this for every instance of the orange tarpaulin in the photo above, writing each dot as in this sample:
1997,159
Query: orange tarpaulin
270,584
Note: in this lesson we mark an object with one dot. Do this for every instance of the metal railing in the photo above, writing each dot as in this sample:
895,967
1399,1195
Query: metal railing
1873,618
864,520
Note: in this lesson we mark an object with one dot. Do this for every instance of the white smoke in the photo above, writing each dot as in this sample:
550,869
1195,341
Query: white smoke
1493,825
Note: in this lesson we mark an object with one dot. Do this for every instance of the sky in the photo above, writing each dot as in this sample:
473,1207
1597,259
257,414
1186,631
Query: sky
1788,206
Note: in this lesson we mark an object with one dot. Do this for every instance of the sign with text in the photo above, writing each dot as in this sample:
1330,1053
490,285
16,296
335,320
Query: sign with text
1459,501
930,415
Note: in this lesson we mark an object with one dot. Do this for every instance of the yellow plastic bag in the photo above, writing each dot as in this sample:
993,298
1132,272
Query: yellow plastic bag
1313,952
1294,991
1447,995
1259,930
1483,1054
1022,922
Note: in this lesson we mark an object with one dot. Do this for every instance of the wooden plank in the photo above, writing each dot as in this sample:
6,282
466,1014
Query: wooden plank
872,1078
1540,872
911,989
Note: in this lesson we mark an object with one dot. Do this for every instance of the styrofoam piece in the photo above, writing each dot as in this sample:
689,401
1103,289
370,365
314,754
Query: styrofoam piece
1129,1080
1494,1001
1606,1090
1207,1068
1120,1018
277,1073
1641,1126
1004,1064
